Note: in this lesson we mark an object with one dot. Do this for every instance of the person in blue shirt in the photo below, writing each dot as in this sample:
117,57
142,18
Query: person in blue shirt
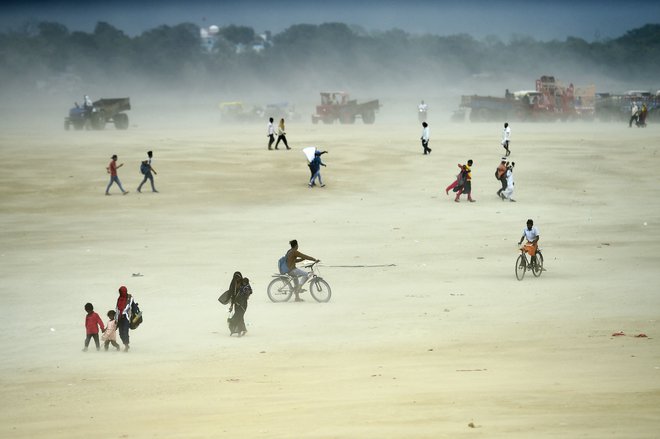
315,168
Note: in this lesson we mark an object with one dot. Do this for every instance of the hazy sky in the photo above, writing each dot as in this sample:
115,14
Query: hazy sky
543,20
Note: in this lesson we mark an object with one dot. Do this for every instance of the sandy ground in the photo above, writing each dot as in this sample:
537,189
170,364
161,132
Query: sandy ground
444,338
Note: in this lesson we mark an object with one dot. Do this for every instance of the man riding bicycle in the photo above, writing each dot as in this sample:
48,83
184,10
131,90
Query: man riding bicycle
299,276
532,235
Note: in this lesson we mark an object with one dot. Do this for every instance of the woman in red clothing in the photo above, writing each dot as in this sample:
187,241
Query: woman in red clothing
123,315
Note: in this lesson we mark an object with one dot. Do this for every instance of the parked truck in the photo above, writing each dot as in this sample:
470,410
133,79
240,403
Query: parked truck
338,106
550,100
101,112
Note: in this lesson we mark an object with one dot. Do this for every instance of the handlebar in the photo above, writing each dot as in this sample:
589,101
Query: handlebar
312,264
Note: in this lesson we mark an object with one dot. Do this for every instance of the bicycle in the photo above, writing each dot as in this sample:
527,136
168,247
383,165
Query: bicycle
281,288
535,264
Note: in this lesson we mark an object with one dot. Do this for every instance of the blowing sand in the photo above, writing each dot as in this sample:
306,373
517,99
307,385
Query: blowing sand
446,343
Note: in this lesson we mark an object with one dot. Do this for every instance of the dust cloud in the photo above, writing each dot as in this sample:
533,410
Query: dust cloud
428,332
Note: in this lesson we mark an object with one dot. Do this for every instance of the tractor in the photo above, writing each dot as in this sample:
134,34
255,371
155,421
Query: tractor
101,112
338,106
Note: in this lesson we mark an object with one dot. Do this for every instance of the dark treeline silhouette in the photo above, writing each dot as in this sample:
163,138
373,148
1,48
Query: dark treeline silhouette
41,51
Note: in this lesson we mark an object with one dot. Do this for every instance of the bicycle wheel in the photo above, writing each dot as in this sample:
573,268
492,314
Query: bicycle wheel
521,267
280,289
537,268
320,290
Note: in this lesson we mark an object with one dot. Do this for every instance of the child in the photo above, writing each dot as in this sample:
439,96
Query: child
315,168
92,324
110,333
239,302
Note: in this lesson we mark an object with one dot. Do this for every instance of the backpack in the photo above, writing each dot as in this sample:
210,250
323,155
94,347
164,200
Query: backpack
282,265
144,168
496,171
136,320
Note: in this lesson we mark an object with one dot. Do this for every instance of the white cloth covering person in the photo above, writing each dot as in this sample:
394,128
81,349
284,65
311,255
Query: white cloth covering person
508,192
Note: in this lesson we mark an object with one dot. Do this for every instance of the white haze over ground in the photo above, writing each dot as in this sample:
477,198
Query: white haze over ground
439,340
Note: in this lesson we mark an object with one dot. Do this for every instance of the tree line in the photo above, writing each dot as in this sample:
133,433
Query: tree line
166,54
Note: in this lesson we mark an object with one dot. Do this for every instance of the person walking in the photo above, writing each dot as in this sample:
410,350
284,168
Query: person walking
281,135
465,186
92,324
271,133
228,296
507,194
112,170
123,315
641,120
422,111
425,138
239,303
315,168
452,187
506,137
146,169
110,334
500,174
634,114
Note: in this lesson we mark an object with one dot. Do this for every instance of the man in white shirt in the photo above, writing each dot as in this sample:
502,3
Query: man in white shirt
422,110
425,138
532,235
506,136
88,106
507,194
271,133
634,114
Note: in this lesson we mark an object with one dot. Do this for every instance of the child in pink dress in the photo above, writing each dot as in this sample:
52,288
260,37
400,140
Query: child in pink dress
110,334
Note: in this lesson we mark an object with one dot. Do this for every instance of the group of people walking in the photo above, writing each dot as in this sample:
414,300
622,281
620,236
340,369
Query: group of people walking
314,163
638,115
281,134
463,182
125,316
146,170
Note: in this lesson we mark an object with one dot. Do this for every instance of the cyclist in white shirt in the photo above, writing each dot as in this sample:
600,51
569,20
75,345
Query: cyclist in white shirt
532,235
506,136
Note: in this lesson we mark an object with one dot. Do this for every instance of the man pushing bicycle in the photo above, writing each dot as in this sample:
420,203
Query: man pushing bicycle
532,235
299,276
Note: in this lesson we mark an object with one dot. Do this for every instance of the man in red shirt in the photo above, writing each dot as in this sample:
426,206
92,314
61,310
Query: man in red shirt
112,170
